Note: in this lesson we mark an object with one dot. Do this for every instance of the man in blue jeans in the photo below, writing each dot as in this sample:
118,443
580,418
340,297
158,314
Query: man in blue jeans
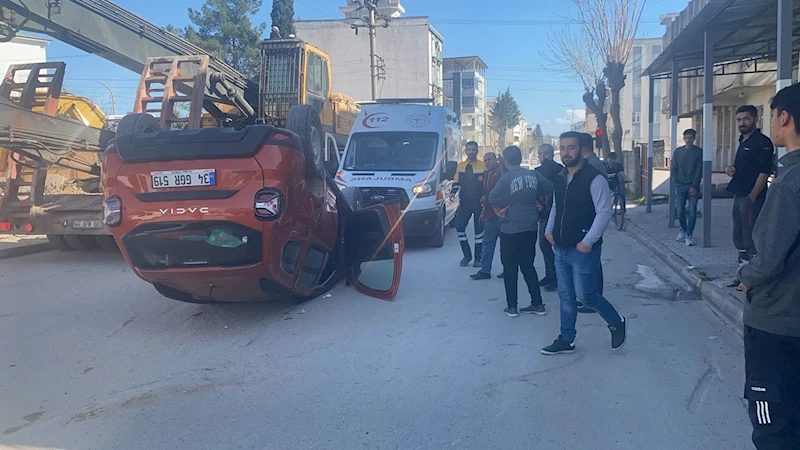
491,223
686,170
577,220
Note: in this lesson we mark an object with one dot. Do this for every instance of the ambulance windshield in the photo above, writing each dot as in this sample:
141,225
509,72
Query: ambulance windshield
398,151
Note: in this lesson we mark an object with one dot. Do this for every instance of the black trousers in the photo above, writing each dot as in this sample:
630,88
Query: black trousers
470,209
547,253
745,214
517,252
772,389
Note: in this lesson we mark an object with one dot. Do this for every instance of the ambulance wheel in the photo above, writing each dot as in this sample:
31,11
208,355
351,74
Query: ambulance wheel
107,243
58,242
81,242
304,120
437,240
138,123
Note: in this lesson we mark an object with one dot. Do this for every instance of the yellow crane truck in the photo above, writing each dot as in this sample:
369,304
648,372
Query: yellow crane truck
181,86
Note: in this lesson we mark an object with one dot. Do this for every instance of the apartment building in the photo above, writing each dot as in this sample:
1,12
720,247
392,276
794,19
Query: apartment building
465,94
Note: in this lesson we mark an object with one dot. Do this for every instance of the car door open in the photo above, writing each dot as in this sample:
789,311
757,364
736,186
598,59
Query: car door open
373,250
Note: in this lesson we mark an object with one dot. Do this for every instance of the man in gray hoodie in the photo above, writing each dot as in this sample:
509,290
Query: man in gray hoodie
515,198
771,280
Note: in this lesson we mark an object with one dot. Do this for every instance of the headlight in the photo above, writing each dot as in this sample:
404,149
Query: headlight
112,211
423,190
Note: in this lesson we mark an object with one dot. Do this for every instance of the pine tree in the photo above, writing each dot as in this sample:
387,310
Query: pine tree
282,17
505,114
224,29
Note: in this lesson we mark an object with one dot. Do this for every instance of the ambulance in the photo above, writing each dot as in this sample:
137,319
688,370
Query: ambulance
405,151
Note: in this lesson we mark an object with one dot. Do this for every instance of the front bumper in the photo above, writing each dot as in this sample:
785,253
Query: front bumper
422,223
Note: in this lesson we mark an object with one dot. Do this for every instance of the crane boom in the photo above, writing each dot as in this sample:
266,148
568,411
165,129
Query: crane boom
113,33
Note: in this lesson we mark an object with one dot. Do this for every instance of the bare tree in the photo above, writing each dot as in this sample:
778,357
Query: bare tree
611,26
573,55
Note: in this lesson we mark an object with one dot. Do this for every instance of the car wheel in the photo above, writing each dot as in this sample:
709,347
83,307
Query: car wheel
304,120
81,242
137,124
58,242
107,243
437,240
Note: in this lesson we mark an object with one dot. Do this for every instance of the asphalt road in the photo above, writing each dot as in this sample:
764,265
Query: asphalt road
93,358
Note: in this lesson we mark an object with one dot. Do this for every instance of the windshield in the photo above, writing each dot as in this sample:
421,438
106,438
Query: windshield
392,151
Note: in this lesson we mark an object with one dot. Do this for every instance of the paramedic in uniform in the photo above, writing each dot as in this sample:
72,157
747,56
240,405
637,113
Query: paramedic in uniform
469,179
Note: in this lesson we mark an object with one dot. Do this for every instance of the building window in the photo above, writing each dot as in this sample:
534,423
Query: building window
636,62
468,83
637,90
637,117
468,102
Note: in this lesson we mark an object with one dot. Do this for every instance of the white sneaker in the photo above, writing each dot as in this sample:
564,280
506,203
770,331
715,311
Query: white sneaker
681,236
689,241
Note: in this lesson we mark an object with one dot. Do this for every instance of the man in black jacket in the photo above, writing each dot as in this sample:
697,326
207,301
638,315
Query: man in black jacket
749,173
772,281
579,216
550,169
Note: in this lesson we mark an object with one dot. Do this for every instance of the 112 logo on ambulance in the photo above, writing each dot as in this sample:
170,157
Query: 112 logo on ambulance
375,120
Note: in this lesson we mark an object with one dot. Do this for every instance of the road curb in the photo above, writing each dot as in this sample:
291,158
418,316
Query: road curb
728,307
23,250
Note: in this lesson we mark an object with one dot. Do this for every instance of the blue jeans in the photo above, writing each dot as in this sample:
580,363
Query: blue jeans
577,278
681,195
491,232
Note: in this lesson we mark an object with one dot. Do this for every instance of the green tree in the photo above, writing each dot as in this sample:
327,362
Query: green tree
282,17
505,114
223,28
538,136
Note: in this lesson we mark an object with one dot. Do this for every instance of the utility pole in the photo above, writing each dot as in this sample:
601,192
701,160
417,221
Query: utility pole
370,22
113,99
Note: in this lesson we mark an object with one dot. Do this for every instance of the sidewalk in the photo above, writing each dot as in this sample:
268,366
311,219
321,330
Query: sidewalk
17,245
707,269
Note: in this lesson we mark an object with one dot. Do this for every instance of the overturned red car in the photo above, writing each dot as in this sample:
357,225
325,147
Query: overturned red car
226,215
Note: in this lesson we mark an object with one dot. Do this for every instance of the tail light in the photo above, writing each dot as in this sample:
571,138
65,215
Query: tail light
268,204
112,211
5,226
28,228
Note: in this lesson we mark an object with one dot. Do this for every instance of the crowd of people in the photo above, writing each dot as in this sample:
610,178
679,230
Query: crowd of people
565,208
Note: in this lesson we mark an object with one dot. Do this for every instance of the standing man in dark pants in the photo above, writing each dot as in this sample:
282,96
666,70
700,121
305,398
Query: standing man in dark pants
469,179
580,214
550,169
687,171
749,172
491,222
515,197
772,281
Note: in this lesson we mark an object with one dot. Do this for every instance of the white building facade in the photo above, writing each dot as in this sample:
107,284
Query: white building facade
22,50
409,51
465,94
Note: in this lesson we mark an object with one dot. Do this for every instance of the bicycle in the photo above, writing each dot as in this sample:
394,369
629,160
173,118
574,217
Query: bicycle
617,208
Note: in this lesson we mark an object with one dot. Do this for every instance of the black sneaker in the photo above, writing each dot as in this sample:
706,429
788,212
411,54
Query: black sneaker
502,275
584,309
619,334
545,281
465,262
477,264
558,347
481,276
552,287
511,312
534,309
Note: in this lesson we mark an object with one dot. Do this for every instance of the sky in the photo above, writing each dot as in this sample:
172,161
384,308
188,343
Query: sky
509,35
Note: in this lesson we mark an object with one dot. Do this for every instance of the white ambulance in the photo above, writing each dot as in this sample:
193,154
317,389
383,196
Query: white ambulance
405,151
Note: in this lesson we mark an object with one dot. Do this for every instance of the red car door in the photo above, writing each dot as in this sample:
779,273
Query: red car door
373,250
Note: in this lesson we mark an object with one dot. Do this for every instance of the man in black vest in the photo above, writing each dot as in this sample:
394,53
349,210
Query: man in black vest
581,212
550,169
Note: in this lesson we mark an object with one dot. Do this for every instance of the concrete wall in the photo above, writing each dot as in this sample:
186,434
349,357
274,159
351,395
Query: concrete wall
407,47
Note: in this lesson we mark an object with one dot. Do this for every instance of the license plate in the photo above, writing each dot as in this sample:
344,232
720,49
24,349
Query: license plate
183,178
87,224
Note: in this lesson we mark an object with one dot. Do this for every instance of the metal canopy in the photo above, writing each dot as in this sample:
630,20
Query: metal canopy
740,30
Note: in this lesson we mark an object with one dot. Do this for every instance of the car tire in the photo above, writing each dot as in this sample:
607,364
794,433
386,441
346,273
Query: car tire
137,124
107,243
304,120
81,242
437,240
58,242
354,198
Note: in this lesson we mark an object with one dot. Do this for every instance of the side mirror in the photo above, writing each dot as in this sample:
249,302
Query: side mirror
450,170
